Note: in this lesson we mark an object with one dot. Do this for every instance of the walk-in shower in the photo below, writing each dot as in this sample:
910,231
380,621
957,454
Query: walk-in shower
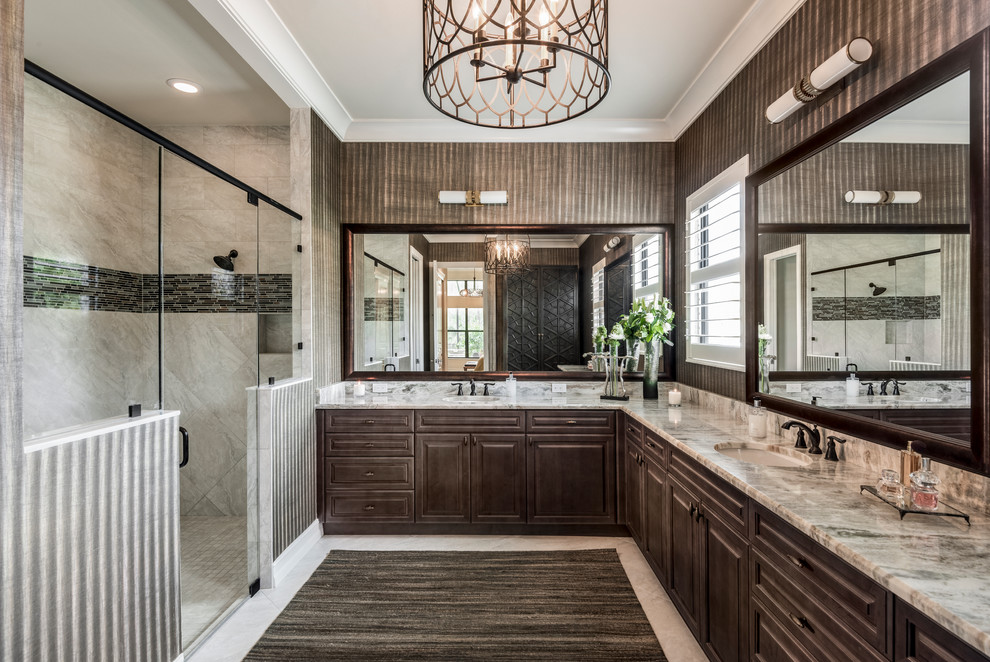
123,305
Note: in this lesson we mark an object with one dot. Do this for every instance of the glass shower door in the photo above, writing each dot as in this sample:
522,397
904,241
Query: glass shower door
209,238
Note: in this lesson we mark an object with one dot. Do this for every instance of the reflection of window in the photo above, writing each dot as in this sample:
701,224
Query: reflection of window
465,332
714,270
598,294
646,266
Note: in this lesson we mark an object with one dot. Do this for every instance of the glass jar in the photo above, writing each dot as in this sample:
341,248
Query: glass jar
757,421
924,495
890,486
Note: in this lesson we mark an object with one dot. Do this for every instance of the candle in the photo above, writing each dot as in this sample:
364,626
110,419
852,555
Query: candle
544,34
674,397
358,389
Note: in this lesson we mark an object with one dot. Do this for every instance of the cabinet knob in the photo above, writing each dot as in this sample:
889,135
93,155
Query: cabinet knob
572,422
370,444
799,562
369,421
799,621
369,507
369,474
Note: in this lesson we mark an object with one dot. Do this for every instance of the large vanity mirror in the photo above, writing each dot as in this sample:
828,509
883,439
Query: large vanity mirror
430,302
863,245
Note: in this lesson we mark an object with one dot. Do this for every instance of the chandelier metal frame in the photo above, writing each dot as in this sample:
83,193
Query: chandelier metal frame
522,64
505,254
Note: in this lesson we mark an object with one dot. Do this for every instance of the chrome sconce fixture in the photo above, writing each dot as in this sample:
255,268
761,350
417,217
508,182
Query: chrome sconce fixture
474,198
883,197
611,243
829,72
515,64
505,254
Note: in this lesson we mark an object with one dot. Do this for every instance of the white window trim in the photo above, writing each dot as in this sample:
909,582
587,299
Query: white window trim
729,358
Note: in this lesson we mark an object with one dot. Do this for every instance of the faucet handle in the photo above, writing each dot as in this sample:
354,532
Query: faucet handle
830,447
800,442
460,387
487,384
869,388
897,387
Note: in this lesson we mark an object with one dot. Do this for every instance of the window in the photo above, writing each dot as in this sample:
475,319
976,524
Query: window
465,332
713,258
598,295
646,266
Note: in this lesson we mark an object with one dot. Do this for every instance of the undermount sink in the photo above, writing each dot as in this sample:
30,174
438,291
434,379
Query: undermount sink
473,399
769,455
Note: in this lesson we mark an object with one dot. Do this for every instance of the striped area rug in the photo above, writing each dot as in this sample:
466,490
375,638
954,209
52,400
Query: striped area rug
563,605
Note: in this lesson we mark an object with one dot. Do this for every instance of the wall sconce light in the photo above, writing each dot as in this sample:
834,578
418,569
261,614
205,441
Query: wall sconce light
611,243
474,198
883,197
829,72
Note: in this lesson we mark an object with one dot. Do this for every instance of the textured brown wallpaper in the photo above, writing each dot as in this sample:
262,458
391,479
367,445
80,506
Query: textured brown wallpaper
327,176
548,183
812,191
11,312
906,34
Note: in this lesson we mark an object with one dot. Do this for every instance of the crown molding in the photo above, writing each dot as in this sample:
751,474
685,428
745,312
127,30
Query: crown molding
257,33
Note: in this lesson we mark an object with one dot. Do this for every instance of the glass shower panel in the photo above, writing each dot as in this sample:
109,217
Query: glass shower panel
210,358
279,295
90,265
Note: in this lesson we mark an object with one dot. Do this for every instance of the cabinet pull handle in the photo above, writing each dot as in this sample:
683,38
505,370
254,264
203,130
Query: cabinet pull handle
799,562
693,510
369,421
370,444
465,441
651,444
799,621
474,442
698,515
572,422
530,442
369,474
369,507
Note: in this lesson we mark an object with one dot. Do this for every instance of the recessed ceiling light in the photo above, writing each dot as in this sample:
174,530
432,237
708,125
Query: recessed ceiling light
182,85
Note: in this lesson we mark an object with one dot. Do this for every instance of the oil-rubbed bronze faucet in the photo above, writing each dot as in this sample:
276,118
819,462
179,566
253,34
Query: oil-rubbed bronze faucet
815,436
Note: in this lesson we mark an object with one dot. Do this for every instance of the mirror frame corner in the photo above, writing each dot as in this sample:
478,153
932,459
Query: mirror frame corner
973,55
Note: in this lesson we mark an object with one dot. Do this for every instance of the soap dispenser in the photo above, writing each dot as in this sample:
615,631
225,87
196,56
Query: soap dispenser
852,382
510,386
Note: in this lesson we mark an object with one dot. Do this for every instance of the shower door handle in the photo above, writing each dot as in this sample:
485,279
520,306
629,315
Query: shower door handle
185,447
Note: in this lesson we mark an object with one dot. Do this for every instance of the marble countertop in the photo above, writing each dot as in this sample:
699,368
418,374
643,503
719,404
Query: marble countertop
938,565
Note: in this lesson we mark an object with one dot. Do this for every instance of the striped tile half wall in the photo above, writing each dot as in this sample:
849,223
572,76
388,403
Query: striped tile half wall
100,530
286,448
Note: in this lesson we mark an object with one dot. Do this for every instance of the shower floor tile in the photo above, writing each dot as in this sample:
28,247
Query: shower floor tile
213,571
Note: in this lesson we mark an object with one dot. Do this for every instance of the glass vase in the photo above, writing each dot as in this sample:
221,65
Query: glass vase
651,369
765,362
614,387
632,355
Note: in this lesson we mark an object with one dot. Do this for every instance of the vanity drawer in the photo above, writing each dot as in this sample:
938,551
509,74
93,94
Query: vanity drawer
367,420
804,617
583,422
730,504
469,420
655,447
377,506
854,599
365,473
367,445
632,429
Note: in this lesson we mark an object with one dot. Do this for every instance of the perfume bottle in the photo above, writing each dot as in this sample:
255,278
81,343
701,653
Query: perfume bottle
910,462
924,495
890,486
757,420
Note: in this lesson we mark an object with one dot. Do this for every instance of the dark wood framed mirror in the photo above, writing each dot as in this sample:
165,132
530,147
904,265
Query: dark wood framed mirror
896,293
419,305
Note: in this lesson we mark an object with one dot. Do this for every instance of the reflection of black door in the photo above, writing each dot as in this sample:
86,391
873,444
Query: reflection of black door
618,291
541,318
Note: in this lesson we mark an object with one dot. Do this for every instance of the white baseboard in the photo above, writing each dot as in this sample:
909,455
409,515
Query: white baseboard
288,559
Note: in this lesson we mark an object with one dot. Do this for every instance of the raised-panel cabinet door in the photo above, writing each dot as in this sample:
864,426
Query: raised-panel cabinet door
443,475
770,641
685,554
726,590
918,639
571,479
656,537
498,478
634,492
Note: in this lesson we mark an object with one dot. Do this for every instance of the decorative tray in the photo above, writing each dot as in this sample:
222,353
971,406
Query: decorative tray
943,510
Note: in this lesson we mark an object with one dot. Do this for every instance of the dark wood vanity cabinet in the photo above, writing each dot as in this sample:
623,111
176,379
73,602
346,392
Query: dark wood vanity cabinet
919,639
635,475
443,477
709,573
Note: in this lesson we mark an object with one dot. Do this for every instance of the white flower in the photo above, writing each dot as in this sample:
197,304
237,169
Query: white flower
650,317
765,336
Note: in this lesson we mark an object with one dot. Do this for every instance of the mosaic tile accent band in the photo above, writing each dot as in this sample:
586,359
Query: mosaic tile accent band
70,286
383,309
837,309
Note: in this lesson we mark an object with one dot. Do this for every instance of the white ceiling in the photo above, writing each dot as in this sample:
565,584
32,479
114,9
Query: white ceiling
123,51
359,63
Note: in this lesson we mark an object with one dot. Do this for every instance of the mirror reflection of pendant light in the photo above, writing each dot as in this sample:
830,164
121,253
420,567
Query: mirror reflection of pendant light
506,254
464,290
476,286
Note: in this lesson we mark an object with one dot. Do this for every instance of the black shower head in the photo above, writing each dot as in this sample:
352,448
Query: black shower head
877,290
226,262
